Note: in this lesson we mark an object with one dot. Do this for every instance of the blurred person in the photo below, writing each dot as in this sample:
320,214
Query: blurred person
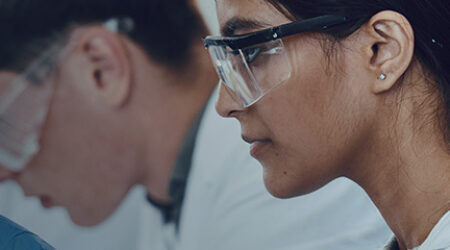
120,231
361,89
100,96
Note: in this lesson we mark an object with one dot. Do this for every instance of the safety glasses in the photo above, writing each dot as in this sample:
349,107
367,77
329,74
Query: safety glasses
251,65
25,104
23,108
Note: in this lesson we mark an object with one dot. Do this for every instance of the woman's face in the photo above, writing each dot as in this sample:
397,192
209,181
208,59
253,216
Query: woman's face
306,131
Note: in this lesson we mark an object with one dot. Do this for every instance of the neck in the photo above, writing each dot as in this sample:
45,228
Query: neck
406,174
167,116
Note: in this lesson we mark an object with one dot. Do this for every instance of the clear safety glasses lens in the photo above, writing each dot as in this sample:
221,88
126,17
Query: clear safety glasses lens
23,109
251,72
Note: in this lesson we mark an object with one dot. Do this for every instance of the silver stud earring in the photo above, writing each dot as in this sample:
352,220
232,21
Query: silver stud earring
382,77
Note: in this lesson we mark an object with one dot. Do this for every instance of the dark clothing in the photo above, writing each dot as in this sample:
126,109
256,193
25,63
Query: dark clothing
171,212
393,245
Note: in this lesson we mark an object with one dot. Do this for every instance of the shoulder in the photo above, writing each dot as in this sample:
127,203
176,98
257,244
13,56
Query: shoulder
13,236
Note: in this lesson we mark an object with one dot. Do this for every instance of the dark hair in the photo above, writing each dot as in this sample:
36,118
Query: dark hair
165,29
430,20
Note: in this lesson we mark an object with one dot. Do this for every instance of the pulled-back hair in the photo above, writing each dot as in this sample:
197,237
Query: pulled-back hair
165,29
430,20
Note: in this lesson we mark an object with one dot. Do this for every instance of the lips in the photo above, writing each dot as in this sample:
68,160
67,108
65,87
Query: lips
46,201
29,191
257,146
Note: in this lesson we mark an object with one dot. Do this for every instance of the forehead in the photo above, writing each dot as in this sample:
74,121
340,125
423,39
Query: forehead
260,11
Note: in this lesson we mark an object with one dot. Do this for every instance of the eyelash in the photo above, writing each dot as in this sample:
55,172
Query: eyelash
251,54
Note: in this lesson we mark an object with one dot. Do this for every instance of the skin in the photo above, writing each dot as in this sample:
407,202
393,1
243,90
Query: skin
334,117
117,119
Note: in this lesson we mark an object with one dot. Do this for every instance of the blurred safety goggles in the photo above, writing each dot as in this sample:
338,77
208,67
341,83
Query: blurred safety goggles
25,104
251,65
23,108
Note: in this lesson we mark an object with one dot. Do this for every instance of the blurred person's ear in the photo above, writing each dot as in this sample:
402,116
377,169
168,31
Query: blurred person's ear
107,64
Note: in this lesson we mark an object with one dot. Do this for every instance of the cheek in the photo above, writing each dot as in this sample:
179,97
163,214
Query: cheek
75,154
62,157
90,192
50,171
315,123
310,110
68,141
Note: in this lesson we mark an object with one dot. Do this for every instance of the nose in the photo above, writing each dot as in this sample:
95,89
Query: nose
226,105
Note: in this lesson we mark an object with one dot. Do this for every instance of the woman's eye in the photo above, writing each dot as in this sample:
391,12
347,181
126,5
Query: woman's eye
251,54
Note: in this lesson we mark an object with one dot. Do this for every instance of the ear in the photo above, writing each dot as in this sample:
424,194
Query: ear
390,48
109,65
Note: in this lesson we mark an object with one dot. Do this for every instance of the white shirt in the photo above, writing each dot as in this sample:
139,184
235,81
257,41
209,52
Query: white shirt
227,207
439,238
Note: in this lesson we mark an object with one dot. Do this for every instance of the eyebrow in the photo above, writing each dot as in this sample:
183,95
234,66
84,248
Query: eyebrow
235,24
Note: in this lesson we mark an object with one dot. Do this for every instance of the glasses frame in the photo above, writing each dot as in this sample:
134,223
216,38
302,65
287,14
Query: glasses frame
312,24
240,42
34,75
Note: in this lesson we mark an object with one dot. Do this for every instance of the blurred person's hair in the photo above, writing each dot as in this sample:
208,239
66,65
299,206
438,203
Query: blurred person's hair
165,29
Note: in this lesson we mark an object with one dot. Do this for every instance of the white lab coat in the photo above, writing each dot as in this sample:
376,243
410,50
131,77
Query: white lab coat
439,238
227,207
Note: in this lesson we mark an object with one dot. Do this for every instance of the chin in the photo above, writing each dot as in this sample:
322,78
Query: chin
285,191
87,219
286,187
279,193
278,187
86,211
